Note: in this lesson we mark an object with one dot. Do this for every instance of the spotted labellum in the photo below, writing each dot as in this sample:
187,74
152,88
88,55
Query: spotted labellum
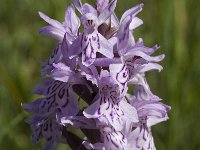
86,82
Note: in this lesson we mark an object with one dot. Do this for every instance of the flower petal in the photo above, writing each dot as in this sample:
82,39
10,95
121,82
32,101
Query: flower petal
52,32
102,4
106,13
124,33
136,22
71,19
120,74
105,62
106,47
75,48
150,66
78,5
87,8
132,12
90,73
135,52
79,122
97,109
130,112
62,72
52,22
141,138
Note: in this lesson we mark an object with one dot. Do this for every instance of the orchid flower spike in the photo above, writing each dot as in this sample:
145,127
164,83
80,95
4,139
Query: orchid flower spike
86,82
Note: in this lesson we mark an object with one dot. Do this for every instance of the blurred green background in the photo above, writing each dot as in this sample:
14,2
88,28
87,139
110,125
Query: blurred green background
173,24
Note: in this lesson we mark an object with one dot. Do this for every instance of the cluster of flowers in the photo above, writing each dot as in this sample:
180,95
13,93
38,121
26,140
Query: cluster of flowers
96,65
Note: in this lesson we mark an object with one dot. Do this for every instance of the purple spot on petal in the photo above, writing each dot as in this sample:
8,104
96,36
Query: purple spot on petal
93,38
99,111
108,105
98,41
85,38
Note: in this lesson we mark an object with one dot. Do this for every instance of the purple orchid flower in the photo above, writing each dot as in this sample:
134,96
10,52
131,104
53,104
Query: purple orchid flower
58,98
57,30
111,139
124,37
56,57
46,128
141,138
60,54
128,22
91,41
109,106
150,112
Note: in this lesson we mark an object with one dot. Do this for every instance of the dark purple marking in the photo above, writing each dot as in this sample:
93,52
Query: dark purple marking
149,145
137,139
55,86
92,49
40,133
43,105
51,103
67,99
107,138
101,101
111,4
144,135
99,111
84,51
108,105
94,38
114,143
45,127
104,99
59,110
85,38
49,138
98,41
61,92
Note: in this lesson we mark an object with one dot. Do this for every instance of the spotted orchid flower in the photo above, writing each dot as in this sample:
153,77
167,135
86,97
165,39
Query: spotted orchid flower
109,106
111,139
46,128
56,56
60,54
128,23
57,30
141,138
124,37
150,112
135,62
135,56
58,98
138,59
91,41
